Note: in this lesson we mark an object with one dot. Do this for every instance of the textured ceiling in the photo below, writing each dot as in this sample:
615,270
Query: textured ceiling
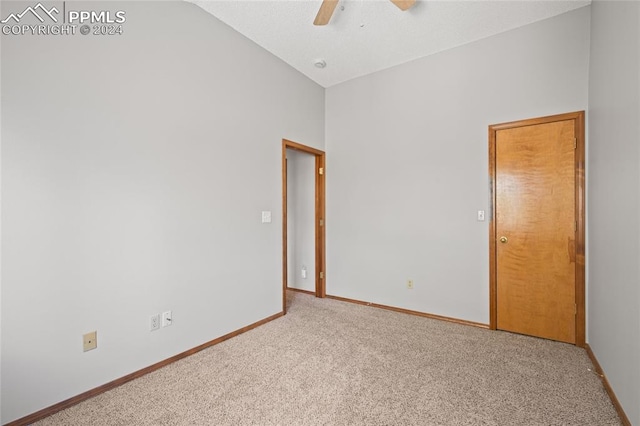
365,36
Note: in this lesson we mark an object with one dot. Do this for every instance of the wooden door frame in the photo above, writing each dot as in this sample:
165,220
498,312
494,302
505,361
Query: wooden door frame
578,118
320,272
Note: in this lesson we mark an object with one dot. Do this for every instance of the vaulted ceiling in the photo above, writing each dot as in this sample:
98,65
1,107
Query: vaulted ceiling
365,36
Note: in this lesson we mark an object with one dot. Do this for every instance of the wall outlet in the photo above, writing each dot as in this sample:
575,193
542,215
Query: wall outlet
154,322
409,284
166,318
90,341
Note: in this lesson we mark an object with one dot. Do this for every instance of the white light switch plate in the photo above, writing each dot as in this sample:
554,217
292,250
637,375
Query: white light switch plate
266,217
480,215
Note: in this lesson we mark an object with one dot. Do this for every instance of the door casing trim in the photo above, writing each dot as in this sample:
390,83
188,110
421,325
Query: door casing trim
320,283
579,119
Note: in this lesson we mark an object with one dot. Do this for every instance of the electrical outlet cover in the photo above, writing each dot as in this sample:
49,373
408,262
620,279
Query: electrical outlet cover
166,318
90,341
154,322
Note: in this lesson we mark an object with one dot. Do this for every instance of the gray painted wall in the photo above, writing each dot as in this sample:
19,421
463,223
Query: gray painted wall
614,198
407,155
134,171
301,220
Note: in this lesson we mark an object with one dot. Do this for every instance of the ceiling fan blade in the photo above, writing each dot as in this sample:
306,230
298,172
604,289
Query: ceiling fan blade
325,12
404,4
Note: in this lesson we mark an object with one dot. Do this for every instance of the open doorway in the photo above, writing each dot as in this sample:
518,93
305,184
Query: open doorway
303,227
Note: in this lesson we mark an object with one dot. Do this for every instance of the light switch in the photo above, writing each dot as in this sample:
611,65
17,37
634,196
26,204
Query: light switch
266,217
480,215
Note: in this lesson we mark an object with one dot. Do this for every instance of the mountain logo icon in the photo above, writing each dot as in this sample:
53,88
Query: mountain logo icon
38,11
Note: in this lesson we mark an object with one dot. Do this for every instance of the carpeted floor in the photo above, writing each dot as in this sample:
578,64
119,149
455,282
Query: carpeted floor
335,363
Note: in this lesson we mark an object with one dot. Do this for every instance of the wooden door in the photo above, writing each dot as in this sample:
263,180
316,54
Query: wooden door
535,227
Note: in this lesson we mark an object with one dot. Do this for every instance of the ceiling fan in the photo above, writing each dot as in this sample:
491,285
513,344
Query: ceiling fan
328,6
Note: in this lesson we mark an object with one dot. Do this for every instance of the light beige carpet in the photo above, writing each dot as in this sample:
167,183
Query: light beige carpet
334,363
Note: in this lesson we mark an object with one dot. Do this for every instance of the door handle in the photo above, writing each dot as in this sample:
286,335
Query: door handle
503,240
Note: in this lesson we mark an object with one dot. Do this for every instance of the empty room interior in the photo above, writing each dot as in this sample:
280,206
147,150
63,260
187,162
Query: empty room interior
185,177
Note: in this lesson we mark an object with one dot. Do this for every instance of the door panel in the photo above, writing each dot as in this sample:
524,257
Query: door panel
535,213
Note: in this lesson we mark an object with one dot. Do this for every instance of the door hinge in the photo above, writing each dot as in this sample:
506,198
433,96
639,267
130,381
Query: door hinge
321,222
321,275
321,171
575,143
575,226
575,309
